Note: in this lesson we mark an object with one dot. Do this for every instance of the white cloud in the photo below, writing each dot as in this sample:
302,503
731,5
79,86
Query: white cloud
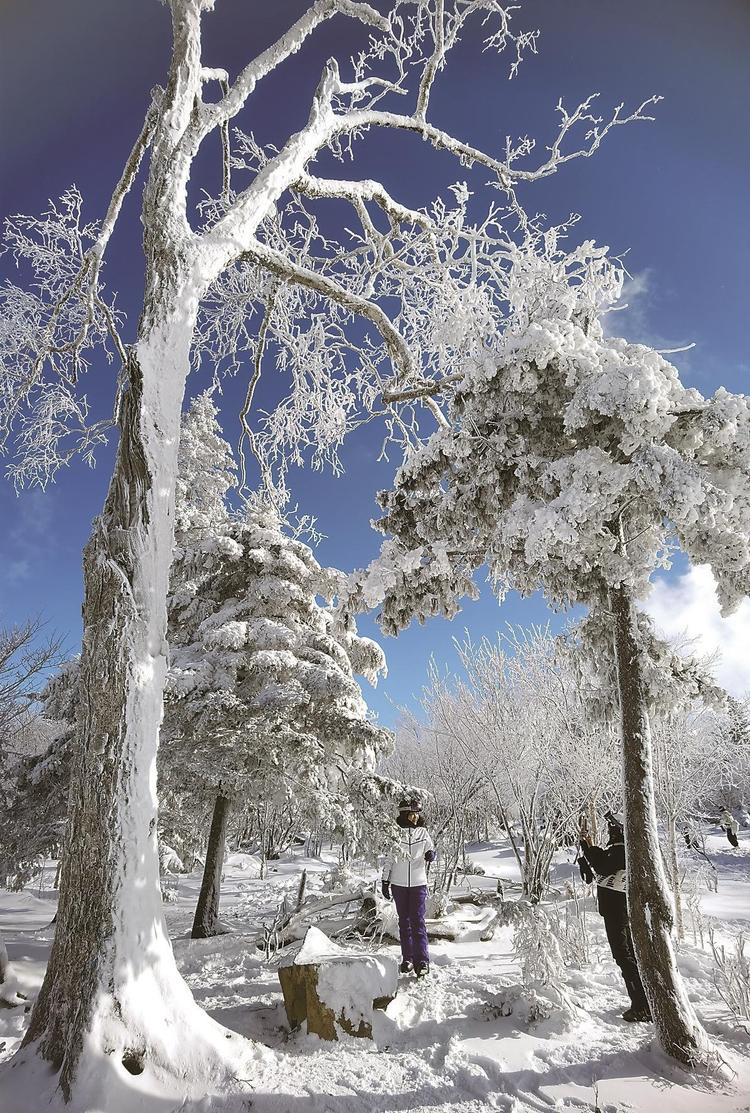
631,319
687,604
640,305
17,570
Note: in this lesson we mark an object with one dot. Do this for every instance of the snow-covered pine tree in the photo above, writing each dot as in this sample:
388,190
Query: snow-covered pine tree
262,693
206,474
261,696
569,461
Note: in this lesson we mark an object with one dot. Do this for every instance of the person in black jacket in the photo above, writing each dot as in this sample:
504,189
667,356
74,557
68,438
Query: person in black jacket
608,863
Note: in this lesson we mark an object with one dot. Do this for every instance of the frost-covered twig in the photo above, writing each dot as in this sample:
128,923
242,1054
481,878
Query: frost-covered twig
732,977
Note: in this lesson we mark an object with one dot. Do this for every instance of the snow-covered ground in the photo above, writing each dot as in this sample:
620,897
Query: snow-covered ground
445,1044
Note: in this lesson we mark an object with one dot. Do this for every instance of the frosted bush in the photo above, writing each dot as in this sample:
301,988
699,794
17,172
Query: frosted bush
732,976
536,947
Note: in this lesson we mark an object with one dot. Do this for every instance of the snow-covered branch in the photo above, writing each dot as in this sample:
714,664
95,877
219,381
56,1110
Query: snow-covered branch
506,171
290,42
286,269
358,192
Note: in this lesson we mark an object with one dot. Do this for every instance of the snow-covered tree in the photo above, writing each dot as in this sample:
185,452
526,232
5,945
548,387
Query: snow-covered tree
570,461
36,777
430,756
732,739
262,701
206,474
223,282
27,657
518,729
32,825
684,772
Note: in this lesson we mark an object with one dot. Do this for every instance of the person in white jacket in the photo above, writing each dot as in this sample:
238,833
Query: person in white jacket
405,878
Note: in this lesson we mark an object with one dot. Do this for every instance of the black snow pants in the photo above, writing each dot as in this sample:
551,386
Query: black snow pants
621,944
732,837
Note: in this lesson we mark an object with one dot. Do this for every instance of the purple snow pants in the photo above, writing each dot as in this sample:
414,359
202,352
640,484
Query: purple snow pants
410,905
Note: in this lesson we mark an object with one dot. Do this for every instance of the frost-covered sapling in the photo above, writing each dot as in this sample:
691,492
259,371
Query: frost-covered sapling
732,739
569,461
684,771
512,736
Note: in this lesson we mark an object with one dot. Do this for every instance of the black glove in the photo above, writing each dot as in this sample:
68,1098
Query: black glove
587,874
385,888
429,855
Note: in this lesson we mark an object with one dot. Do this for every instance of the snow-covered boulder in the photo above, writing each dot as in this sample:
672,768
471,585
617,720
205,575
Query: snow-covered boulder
333,987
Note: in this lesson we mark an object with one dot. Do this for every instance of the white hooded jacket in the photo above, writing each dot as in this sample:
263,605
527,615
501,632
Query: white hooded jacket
406,866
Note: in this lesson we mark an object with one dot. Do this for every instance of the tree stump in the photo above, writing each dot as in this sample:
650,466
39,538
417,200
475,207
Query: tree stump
334,988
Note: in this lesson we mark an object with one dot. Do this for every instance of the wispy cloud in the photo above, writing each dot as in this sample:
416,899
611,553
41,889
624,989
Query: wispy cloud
27,538
637,320
687,604
16,571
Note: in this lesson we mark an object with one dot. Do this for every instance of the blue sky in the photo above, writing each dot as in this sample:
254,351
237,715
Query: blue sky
75,83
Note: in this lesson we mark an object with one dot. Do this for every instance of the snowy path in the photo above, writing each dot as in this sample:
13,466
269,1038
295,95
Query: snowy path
444,1045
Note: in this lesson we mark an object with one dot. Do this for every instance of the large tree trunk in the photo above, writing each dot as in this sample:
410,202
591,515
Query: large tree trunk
112,999
206,919
649,900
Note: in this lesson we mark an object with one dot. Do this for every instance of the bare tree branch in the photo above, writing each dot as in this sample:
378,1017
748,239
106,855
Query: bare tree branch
433,65
247,431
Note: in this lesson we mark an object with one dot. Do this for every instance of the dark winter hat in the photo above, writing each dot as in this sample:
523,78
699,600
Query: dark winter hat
614,819
412,805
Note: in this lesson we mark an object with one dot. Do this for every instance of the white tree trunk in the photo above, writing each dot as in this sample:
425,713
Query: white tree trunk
112,999
649,900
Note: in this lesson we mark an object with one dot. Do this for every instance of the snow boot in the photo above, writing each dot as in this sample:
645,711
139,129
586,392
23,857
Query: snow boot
406,967
638,1014
421,969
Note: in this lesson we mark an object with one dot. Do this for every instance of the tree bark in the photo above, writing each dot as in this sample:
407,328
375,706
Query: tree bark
592,820
112,991
206,919
649,900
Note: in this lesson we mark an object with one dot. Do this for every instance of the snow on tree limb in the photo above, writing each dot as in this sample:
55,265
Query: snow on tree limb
579,435
289,43
284,268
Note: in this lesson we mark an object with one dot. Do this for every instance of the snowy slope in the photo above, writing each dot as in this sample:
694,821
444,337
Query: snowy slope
458,1042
